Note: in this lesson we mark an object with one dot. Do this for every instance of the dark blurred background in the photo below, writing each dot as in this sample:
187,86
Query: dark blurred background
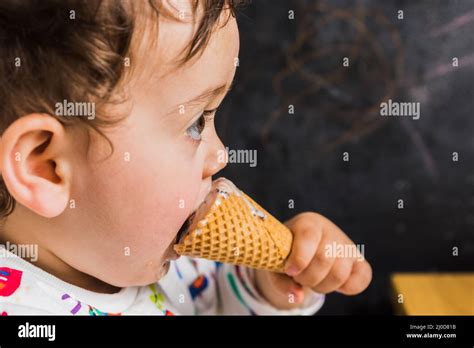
337,109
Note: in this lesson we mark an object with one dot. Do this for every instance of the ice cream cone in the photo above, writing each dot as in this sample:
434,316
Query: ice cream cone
230,227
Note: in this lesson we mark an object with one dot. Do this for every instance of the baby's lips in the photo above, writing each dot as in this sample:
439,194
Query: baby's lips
220,187
224,185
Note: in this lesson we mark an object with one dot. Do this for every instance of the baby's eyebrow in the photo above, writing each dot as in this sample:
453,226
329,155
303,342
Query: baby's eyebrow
207,95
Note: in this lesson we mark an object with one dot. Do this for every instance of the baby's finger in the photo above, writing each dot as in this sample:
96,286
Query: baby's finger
338,275
317,270
359,279
286,290
305,243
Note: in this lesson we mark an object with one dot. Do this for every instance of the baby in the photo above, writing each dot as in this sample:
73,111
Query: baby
108,145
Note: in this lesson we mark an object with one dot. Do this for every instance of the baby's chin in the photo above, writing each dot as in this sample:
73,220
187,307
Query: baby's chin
165,264
157,269
155,272
164,269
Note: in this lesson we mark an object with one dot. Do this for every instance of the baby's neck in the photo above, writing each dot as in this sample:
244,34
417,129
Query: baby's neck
13,233
50,263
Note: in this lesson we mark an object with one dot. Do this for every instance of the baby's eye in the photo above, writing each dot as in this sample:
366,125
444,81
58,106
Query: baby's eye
195,130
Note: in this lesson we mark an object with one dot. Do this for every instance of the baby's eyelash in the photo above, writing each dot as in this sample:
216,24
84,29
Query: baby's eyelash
195,130
209,114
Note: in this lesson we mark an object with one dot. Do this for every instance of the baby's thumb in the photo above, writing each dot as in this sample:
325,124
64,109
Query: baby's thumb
287,288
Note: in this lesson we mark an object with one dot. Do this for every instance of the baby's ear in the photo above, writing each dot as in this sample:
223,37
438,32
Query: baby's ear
34,164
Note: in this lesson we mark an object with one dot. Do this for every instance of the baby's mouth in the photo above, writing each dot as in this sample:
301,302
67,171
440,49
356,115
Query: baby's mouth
198,214
184,228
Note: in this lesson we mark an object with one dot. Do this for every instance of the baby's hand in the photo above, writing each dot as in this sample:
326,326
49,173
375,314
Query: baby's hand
320,261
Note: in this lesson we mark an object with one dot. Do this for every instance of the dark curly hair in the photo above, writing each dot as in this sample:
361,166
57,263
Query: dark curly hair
75,50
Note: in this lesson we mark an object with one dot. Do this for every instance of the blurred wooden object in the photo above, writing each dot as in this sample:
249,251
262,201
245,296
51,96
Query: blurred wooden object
433,293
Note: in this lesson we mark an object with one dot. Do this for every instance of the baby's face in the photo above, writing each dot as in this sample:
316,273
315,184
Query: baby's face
130,206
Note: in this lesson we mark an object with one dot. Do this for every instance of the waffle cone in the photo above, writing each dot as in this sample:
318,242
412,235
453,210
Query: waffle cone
236,230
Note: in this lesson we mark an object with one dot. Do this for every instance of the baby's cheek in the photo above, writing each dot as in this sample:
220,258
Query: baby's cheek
162,188
169,198
175,204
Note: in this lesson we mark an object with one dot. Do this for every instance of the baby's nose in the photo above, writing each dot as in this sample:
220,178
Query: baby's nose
216,159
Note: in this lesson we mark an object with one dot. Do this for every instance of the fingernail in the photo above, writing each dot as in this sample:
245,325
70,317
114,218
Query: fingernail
292,271
296,296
